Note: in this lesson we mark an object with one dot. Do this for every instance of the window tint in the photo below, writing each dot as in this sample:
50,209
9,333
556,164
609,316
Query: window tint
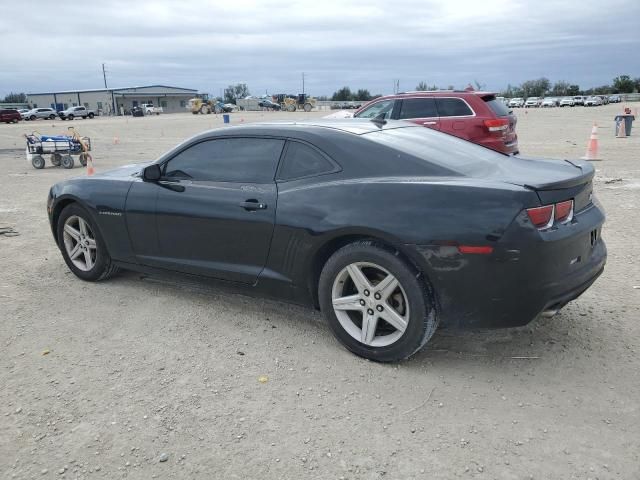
250,160
384,106
496,106
418,108
452,107
302,161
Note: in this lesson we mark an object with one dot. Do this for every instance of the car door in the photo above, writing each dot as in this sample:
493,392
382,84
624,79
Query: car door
420,110
456,117
215,209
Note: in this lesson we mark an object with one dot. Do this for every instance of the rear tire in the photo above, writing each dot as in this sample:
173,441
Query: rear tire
52,117
91,115
70,117
307,107
386,325
93,263
56,159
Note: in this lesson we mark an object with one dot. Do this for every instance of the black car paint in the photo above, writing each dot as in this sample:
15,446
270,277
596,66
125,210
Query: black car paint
421,210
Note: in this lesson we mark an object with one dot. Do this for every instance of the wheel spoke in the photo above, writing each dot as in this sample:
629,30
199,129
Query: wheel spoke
350,302
75,253
359,280
387,286
88,260
369,324
82,225
393,318
92,243
75,234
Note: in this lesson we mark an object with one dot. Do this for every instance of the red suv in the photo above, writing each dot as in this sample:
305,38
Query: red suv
474,116
8,116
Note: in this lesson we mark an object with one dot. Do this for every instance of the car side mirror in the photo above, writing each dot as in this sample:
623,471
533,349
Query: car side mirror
152,173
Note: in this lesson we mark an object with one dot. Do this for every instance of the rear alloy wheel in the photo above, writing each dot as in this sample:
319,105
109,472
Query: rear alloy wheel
52,117
375,303
82,246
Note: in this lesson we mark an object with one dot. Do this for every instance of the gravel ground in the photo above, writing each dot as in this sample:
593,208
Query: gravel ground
148,377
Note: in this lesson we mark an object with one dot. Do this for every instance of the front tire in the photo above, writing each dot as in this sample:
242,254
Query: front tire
82,246
67,161
375,303
38,162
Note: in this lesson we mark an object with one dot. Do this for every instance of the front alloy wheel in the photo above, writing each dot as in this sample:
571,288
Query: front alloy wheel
80,243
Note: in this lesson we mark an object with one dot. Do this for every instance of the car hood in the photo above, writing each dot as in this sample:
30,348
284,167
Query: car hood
124,171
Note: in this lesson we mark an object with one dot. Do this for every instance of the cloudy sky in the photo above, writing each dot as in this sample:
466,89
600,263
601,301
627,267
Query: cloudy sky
267,44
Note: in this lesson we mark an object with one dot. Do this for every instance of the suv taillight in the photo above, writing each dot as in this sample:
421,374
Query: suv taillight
544,217
497,125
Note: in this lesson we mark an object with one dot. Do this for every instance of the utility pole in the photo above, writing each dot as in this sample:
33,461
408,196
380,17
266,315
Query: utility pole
104,75
303,83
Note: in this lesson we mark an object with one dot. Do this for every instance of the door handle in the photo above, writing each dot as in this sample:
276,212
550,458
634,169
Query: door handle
252,204
429,123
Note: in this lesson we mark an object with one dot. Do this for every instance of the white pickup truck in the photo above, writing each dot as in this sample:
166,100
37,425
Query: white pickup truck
75,112
150,109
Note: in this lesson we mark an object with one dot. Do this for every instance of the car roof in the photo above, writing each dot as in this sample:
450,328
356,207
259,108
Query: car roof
356,126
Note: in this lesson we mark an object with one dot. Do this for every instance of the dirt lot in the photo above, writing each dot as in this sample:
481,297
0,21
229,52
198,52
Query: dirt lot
143,369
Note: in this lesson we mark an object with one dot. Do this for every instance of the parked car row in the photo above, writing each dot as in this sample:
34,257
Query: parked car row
587,101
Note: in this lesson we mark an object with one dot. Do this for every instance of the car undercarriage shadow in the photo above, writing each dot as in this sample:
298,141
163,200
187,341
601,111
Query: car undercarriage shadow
544,339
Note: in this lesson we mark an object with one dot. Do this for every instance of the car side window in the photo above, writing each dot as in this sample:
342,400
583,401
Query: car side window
418,108
239,160
453,107
301,160
383,107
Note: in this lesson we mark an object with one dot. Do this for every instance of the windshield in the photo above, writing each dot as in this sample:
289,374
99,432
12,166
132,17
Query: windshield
439,149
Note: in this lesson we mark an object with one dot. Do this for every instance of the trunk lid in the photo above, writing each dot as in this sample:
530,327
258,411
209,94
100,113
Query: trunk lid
553,180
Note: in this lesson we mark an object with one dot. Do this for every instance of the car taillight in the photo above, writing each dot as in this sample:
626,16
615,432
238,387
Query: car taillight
544,217
564,211
497,125
541,217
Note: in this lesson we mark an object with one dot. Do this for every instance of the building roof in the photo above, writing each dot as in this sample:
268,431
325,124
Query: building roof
111,89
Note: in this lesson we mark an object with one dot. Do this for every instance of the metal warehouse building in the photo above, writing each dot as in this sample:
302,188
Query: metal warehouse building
117,101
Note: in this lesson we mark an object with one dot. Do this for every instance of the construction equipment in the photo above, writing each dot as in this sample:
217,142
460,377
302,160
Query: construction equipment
202,104
291,103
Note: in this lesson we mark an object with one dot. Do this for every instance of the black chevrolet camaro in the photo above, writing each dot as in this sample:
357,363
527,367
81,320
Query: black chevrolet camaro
389,228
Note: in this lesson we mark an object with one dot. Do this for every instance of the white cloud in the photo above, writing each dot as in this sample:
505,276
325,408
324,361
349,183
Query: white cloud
209,44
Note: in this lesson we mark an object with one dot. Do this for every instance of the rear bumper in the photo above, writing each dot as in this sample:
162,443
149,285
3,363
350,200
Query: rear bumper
526,275
499,144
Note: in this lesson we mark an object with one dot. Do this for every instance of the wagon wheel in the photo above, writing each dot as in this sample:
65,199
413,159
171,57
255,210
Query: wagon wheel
307,107
67,161
83,158
38,162
291,108
56,159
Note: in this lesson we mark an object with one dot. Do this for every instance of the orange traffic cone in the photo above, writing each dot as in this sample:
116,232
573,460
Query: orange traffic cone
592,146
621,132
90,169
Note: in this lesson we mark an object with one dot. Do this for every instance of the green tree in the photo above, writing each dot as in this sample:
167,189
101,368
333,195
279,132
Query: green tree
362,95
342,95
233,92
623,84
636,82
573,90
422,87
603,90
535,88
15,98
560,88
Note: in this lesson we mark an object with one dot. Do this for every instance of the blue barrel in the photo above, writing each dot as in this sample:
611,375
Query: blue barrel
226,118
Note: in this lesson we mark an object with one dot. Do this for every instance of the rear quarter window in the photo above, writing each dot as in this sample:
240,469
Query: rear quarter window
301,161
496,106
453,107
